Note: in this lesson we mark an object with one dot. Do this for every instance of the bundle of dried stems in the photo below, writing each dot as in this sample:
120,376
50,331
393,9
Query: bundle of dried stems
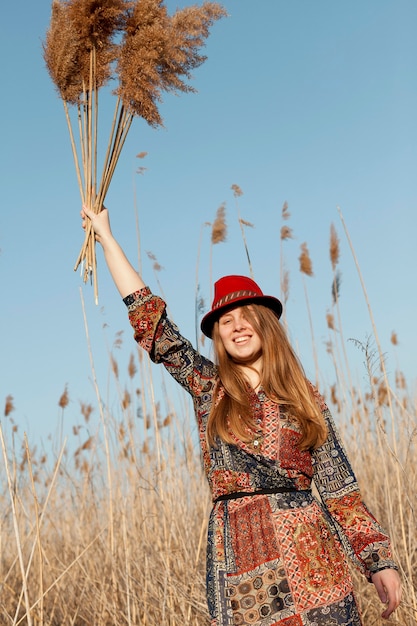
141,48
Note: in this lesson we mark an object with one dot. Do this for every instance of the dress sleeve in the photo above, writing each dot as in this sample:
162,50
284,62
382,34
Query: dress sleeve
160,337
361,534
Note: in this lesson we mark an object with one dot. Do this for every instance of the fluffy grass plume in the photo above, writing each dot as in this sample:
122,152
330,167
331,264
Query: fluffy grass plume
143,50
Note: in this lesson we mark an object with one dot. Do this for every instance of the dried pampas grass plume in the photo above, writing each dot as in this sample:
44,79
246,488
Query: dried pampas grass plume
219,228
306,266
9,405
139,47
337,281
64,399
334,247
285,214
237,192
330,321
286,233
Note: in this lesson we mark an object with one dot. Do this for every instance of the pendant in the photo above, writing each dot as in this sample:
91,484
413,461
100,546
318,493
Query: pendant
256,443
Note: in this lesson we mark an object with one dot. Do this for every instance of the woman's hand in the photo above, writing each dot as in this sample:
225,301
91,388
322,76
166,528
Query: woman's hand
100,223
125,277
388,585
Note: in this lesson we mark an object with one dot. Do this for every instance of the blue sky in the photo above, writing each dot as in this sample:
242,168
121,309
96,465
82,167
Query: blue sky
310,102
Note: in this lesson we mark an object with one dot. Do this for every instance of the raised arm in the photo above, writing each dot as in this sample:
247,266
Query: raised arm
125,277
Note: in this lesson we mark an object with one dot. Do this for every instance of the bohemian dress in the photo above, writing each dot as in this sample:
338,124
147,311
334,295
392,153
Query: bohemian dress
276,554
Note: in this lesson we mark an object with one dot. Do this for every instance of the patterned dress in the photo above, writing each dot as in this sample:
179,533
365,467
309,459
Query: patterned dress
272,558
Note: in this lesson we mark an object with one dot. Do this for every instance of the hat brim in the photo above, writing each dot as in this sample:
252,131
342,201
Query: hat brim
211,317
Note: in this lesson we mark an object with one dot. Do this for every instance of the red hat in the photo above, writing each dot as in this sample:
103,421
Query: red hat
231,291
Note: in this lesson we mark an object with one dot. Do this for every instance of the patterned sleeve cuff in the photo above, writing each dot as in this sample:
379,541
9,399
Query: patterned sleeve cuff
378,567
137,297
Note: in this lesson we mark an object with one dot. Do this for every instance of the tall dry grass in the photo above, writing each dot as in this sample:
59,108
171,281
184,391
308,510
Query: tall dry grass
111,533
110,528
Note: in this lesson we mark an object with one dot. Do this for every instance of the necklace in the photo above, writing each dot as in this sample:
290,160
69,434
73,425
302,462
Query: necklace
257,442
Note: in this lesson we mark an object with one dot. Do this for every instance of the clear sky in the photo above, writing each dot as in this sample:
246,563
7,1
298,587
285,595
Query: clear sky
312,102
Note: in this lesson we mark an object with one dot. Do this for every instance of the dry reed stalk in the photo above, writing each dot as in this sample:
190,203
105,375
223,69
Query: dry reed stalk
106,437
37,542
59,578
386,445
284,278
334,253
16,531
218,235
306,267
146,51
237,192
198,300
140,155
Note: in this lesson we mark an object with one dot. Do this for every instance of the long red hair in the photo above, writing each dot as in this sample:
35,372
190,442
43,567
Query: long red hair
282,378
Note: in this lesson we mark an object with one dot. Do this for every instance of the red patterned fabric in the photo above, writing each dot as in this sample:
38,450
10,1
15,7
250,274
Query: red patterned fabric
252,532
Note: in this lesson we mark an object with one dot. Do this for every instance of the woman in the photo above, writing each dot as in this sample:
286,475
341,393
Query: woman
276,554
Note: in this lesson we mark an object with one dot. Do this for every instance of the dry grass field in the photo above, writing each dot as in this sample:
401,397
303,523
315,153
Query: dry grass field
113,533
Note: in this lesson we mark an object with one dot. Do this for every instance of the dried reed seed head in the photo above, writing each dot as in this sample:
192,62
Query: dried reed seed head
334,246
141,155
167,420
85,467
97,21
306,266
64,400
382,394
131,368
118,339
400,381
114,366
158,51
285,214
285,285
245,223
394,338
86,410
219,228
60,52
237,192
78,27
9,406
286,233
145,448
330,321
201,305
87,445
126,400
336,282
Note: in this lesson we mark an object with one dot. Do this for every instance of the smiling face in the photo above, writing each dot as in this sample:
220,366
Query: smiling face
240,339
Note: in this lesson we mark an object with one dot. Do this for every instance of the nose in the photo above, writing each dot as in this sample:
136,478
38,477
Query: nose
239,322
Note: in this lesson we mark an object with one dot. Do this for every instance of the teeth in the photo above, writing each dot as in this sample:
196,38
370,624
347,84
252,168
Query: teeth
240,339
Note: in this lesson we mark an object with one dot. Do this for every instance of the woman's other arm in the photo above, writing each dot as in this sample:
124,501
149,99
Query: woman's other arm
125,277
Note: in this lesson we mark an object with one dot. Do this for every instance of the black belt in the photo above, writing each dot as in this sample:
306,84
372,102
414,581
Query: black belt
242,494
